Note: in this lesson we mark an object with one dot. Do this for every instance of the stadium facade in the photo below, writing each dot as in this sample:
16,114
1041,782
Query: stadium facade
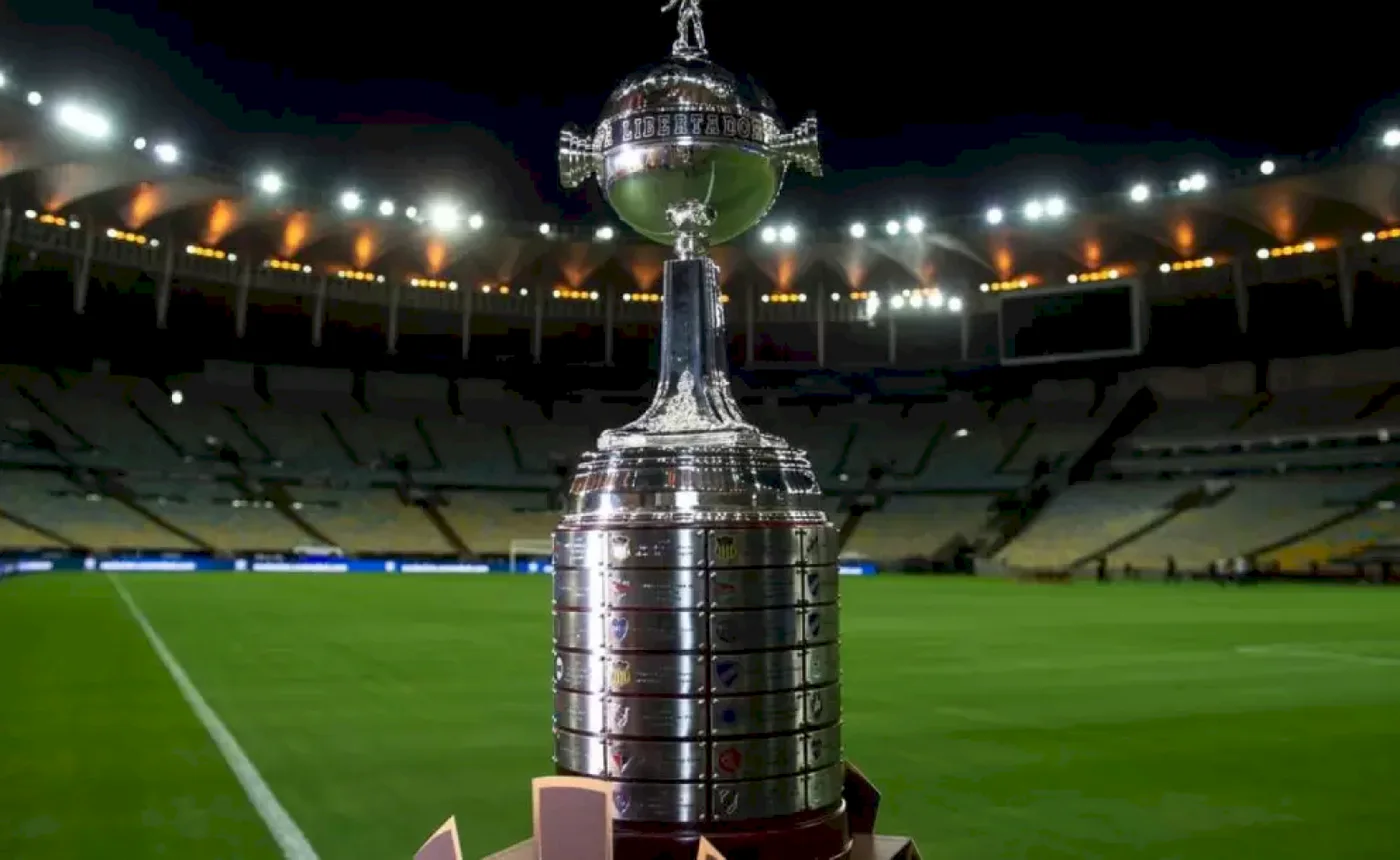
1200,373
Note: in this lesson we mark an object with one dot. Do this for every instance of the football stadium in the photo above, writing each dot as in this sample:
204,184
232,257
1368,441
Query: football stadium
1115,482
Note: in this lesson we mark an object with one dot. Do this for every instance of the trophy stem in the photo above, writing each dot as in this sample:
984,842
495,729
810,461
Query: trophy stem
693,405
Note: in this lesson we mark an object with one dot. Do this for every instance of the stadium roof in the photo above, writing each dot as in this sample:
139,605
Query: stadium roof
68,160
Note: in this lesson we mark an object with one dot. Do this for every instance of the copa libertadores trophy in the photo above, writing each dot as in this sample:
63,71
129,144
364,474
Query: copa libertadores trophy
697,673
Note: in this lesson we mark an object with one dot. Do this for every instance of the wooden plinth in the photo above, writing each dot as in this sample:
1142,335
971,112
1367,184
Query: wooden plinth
573,820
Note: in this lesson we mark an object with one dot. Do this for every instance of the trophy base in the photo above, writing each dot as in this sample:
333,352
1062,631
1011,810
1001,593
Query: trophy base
862,848
573,821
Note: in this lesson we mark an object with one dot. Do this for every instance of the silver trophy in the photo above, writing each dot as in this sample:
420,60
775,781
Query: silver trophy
695,604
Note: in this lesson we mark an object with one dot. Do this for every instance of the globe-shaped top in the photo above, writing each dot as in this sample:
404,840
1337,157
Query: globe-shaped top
688,130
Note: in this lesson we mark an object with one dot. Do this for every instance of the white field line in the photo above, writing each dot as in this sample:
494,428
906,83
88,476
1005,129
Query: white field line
279,823
1304,652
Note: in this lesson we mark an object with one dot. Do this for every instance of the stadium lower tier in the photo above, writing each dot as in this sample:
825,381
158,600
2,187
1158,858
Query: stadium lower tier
1294,521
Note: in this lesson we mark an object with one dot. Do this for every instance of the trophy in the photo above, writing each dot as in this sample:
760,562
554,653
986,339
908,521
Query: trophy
697,695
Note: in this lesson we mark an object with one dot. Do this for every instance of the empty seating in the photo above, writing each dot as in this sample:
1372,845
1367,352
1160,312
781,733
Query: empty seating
916,526
88,519
1086,517
489,521
1260,511
371,521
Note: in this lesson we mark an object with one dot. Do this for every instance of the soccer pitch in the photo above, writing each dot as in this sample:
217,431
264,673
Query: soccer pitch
1000,720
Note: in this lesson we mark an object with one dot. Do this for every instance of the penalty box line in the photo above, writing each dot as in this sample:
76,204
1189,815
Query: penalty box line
284,830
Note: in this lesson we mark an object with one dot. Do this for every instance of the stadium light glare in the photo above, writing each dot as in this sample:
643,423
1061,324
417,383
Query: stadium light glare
1267,167
857,230
4,82
351,201
177,397
914,225
1140,193
139,144
387,208
768,235
35,98
1055,207
787,234
892,227
544,229
1391,138
995,215
1194,182
166,153
961,433
446,217
955,304
83,121
476,221
1034,210
270,183
605,233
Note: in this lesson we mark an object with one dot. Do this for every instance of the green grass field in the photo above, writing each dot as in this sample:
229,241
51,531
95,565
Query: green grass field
1000,720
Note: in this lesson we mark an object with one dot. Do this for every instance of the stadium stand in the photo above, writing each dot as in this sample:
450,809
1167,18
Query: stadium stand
258,460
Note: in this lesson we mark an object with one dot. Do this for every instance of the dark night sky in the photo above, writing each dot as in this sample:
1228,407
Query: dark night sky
934,108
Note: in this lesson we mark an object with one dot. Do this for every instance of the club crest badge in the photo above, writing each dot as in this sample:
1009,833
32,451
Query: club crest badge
729,761
620,589
558,668
621,674
814,750
726,548
620,762
621,801
727,673
812,543
814,625
729,716
815,704
618,717
727,801
619,548
814,586
618,629
724,630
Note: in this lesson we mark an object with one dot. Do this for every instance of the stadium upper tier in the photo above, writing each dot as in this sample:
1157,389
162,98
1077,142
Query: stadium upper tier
165,218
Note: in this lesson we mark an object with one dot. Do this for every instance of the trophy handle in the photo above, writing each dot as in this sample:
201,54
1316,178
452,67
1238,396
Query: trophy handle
578,156
799,146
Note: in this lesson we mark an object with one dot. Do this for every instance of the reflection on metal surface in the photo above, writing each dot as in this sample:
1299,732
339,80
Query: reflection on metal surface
696,631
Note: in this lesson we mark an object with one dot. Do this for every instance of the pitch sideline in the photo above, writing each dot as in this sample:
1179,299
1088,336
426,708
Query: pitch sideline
284,830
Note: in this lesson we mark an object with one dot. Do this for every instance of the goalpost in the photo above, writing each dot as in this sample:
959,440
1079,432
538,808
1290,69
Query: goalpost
530,548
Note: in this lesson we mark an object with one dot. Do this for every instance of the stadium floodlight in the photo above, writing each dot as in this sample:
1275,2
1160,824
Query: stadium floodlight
836,297
892,227
177,397
604,233
955,304
1391,138
1368,237
1055,207
166,153
897,302
35,98
936,299
446,217
787,234
914,224
768,235
1140,193
544,229
84,121
1267,167
4,82
984,287
351,201
139,144
857,230
1164,268
1034,210
411,213
386,208
476,221
270,183
961,433
1194,182
995,215
1262,253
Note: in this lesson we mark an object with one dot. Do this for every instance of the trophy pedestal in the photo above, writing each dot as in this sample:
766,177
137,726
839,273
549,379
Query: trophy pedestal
573,820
